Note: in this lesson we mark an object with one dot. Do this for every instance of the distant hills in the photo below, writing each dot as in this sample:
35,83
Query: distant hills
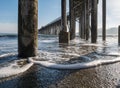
110,31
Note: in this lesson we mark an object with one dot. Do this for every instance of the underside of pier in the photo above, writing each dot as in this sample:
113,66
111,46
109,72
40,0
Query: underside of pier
82,11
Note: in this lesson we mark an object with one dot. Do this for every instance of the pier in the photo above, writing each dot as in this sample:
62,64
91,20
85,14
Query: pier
86,59
83,11
64,26
27,28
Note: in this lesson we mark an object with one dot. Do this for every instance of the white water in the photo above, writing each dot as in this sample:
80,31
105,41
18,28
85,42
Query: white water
74,66
98,45
48,41
13,69
7,55
110,54
58,54
114,54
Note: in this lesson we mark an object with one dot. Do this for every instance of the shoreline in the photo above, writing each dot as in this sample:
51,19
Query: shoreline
106,76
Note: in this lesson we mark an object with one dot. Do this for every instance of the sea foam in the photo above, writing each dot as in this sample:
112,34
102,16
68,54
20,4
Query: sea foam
7,55
74,66
13,69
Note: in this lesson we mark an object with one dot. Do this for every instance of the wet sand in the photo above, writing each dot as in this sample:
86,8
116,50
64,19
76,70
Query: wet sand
106,76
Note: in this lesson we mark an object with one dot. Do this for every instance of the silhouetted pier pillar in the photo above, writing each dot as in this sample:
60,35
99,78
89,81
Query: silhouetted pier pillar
119,35
64,36
94,21
87,19
82,23
27,28
80,29
104,19
72,20
84,16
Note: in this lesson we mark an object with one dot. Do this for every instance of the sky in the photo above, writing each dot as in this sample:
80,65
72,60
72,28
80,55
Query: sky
49,10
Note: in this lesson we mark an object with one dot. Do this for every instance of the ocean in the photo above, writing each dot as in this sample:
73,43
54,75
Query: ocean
97,64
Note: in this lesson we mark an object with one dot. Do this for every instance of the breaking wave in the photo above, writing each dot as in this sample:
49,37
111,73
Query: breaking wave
74,66
9,35
13,68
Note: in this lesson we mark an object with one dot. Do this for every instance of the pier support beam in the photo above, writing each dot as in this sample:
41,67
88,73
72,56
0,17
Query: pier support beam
80,29
87,19
64,36
104,19
27,28
119,35
94,21
84,16
72,20
82,24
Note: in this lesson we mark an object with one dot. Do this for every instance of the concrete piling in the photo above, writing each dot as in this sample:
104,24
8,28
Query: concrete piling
80,31
64,36
84,16
80,10
104,19
82,25
27,28
94,21
118,35
87,20
72,20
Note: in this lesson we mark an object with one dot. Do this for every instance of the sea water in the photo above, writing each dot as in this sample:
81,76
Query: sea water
49,49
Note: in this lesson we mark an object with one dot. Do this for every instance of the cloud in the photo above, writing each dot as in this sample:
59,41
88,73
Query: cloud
8,27
113,13
113,17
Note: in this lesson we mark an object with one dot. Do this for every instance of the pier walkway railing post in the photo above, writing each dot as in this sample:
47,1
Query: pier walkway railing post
27,28
64,36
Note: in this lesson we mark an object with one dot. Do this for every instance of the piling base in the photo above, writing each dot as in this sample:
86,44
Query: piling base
64,37
72,36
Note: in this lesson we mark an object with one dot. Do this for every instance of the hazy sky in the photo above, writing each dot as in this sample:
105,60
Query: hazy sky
50,10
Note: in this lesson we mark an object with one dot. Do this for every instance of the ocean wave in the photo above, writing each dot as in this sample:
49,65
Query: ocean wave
11,36
48,41
13,69
74,66
109,54
13,66
7,55
90,44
